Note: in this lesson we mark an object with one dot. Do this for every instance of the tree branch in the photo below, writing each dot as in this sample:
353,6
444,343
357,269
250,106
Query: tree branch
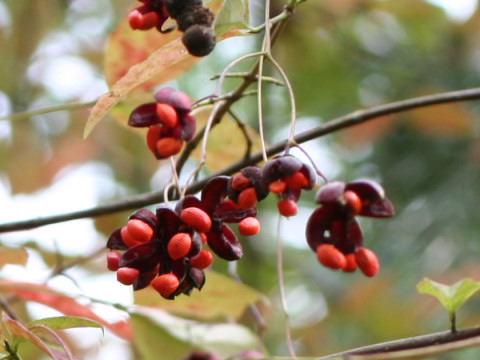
343,122
415,346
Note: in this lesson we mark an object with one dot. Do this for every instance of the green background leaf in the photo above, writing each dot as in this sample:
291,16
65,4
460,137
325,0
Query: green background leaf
220,297
450,296
223,339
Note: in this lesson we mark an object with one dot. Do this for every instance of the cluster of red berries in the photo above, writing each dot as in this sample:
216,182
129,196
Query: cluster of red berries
165,249
333,232
195,20
168,120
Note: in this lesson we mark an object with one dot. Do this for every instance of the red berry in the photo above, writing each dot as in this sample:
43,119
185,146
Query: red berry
353,202
168,146
197,219
367,261
165,284
113,258
127,276
247,198
149,20
287,207
202,260
167,115
277,187
128,239
135,19
351,264
203,237
329,256
139,230
249,226
153,135
297,180
240,182
179,245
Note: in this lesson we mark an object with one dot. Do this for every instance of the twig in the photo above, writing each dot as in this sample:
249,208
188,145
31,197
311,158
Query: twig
30,113
343,122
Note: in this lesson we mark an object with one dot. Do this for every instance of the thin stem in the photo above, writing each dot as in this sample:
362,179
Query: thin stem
317,170
275,20
293,110
243,75
229,66
260,109
281,286
30,113
175,179
343,122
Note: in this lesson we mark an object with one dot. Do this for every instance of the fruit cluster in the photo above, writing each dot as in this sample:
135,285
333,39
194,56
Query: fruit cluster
193,19
165,249
332,230
168,120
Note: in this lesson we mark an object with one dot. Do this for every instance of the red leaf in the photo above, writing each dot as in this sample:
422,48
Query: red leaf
63,303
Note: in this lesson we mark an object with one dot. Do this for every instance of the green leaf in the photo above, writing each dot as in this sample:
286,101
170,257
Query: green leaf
450,296
233,15
220,296
21,333
223,339
64,322
151,339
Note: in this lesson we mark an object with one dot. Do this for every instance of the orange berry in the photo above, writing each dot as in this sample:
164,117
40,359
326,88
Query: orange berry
239,182
277,187
127,276
329,256
135,19
139,230
179,245
113,258
168,146
249,226
297,180
197,219
247,198
202,260
153,135
128,239
367,261
287,207
351,264
203,237
167,115
149,20
353,202
165,284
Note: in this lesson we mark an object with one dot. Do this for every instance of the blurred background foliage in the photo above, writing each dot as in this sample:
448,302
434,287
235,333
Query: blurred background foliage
340,55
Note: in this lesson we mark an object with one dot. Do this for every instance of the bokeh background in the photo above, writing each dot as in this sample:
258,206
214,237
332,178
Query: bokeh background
341,56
